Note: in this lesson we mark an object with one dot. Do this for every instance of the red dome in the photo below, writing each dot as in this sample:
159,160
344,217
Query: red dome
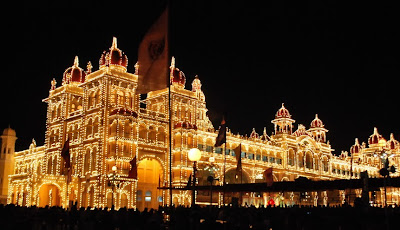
392,143
317,123
74,73
178,77
254,134
113,57
283,113
375,137
356,148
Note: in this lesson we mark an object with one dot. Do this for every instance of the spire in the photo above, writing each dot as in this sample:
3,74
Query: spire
53,84
114,43
89,67
137,68
173,62
76,61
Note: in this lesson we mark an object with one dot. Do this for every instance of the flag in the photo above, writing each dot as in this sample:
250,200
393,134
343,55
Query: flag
69,175
268,176
221,138
153,57
238,154
189,183
133,171
65,154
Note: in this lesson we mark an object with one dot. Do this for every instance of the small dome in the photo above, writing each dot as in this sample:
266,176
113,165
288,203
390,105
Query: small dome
317,123
74,73
254,134
392,143
356,148
283,112
113,57
196,84
375,137
9,132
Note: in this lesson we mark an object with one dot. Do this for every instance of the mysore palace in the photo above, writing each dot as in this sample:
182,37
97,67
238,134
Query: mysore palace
108,125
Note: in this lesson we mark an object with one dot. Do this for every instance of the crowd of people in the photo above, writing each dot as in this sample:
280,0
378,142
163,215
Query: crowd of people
198,218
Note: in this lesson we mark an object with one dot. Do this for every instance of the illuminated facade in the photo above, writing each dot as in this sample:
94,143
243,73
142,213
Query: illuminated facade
107,125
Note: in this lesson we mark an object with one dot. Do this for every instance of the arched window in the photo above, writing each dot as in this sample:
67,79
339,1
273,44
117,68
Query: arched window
87,166
96,126
143,131
291,157
120,98
147,197
309,160
89,128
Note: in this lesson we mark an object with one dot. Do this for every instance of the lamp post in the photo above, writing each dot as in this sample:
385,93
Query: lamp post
112,179
194,155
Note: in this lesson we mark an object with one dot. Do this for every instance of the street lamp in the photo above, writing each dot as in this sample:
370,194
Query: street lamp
194,155
112,179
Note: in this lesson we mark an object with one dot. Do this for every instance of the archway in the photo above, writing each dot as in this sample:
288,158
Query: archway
49,194
150,172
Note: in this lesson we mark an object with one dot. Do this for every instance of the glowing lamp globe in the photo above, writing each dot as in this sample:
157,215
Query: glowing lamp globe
194,154
114,168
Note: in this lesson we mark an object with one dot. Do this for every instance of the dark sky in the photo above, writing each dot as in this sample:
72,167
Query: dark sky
340,61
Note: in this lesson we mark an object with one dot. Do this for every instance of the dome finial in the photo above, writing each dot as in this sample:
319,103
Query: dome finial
76,61
114,43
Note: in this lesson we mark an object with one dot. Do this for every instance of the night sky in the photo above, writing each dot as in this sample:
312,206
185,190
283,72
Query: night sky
340,61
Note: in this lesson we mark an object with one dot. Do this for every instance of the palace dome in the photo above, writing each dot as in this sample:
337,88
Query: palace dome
9,132
375,137
392,143
283,112
114,57
74,73
317,123
356,148
177,77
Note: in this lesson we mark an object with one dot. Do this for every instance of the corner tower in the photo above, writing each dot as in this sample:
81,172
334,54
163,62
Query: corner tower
7,151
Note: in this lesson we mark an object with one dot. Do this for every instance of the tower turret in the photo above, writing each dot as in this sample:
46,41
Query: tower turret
283,121
7,151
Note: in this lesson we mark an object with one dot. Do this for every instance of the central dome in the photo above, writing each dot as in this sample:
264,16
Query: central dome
114,57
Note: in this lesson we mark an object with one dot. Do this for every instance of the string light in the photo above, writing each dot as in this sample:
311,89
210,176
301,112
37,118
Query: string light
107,126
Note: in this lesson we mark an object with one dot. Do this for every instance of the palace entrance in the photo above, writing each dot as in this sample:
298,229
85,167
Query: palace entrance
150,172
49,194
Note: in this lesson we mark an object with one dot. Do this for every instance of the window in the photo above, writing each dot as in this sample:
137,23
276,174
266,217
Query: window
147,197
250,156
264,158
200,147
218,150
271,160
209,149
243,155
258,157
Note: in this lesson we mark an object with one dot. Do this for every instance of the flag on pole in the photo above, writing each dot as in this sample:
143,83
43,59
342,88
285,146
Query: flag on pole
66,155
133,172
221,138
153,57
238,154
268,176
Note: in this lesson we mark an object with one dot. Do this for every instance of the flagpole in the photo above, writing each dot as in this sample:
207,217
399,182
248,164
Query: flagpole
223,194
169,2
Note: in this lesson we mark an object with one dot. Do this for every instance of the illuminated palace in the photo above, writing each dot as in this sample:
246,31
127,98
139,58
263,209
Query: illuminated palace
108,125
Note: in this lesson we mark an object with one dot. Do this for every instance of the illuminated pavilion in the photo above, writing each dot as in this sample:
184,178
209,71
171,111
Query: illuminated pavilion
108,125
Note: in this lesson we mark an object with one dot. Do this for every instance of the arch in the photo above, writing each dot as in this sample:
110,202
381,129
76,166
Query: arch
300,159
49,194
161,134
150,173
309,160
152,135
